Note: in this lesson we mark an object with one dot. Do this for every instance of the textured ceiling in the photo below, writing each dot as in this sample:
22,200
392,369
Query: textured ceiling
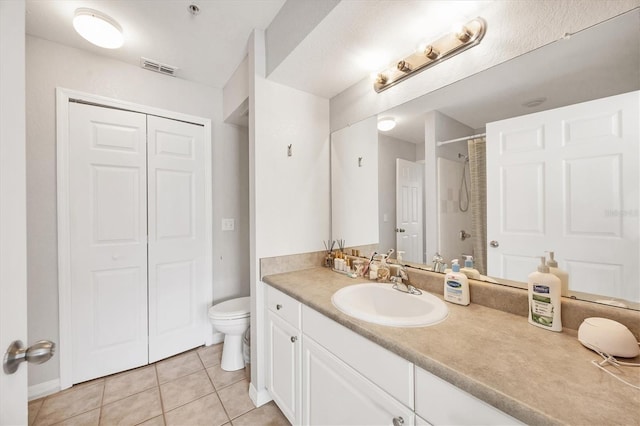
360,37
206,48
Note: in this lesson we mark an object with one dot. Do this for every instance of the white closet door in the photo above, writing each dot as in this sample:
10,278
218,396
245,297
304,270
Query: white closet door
178,266
107,186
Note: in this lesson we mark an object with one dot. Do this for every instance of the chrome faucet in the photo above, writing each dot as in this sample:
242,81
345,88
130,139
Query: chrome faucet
438,263
401,282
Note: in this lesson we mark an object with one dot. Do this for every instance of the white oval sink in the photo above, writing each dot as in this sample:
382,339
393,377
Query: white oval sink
381,304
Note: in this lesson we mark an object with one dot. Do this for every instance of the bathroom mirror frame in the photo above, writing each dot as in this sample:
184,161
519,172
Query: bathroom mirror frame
613,63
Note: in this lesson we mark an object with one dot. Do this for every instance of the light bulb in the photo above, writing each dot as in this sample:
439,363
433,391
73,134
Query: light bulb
386,123
98,28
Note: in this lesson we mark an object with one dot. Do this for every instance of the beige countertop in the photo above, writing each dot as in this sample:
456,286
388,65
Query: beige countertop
535,375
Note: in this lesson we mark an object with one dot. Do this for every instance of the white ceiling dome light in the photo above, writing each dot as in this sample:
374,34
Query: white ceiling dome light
386,123
98,28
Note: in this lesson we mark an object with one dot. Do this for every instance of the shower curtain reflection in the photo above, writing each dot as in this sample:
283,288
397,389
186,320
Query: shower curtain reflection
478,200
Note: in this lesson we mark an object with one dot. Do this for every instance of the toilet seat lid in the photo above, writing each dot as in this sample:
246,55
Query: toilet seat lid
234,308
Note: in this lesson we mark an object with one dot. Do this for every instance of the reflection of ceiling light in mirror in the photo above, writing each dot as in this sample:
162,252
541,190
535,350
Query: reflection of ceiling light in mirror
534,102
386,123
98,28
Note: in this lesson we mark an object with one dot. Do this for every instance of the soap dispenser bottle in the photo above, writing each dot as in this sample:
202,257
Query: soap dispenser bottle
468,269
562,275
456,285
544,298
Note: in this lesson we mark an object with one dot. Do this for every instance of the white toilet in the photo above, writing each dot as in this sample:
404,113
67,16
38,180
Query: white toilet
231,318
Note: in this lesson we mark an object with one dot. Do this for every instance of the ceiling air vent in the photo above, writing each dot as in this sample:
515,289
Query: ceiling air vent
151,65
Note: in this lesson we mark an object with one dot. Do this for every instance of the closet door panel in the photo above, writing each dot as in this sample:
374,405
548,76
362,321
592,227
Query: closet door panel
108,212
177,262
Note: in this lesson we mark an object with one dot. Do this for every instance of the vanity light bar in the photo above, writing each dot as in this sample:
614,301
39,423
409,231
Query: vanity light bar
463,38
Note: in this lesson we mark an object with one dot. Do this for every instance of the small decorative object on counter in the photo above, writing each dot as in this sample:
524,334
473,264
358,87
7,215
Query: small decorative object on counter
328,259
384,273
358,266
544,298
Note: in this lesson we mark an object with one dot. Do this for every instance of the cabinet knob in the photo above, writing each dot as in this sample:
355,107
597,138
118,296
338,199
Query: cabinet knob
293,339
278,306
398,421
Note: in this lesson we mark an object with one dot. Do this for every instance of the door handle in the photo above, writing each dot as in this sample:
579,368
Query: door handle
494,244
37,353
400,230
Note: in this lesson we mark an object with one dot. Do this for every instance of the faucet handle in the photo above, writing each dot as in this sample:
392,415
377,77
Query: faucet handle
402,273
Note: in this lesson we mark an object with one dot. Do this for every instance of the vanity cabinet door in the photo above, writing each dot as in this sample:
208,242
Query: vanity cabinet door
283,365
440,403
335,394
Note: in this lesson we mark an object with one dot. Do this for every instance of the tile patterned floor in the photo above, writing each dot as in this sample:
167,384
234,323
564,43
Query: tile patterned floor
187,389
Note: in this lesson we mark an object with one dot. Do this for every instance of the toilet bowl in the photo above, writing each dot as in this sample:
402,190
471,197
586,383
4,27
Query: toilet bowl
231,318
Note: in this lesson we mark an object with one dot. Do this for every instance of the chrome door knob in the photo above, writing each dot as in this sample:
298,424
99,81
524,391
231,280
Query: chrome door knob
294,339
398,421
494,244
37,353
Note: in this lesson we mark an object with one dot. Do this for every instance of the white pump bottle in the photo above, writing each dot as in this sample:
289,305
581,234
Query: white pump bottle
562,275
544,299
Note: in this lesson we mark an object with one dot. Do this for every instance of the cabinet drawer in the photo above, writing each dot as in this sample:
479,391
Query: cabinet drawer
391,372
284,306
441,403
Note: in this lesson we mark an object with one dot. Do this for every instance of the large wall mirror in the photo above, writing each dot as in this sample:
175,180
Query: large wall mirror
475,168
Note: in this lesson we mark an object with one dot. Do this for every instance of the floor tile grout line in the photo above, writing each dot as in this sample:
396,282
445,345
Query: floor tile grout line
164,419
182,375
104,388
223,407
76,414
201,396
130,395
103,382
35,418
215,389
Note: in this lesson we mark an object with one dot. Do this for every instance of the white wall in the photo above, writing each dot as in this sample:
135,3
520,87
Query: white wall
514,28
289,196
390,149
236,91
292,193
354,198
50,65
290,26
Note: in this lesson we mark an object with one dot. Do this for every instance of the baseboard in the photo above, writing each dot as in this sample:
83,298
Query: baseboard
259,398
44,389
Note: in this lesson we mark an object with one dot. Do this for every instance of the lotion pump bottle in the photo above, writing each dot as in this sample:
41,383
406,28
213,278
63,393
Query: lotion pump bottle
544,298
468,269
562,275
456,285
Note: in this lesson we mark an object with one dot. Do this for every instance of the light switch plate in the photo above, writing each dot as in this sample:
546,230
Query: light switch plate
228,224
